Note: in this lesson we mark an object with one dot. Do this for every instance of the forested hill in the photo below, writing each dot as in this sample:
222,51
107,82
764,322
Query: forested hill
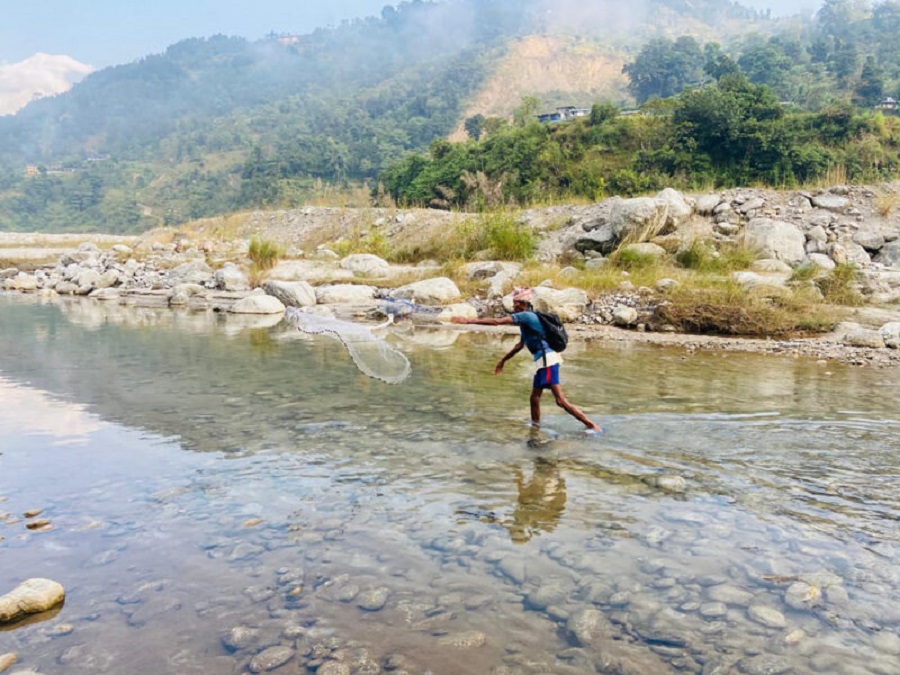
223,123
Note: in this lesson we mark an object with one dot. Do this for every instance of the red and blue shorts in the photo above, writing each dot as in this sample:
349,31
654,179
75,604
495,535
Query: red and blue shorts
546,377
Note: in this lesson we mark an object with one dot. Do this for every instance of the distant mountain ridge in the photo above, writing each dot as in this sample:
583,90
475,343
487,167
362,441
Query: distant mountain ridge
36,77
222,123
123,108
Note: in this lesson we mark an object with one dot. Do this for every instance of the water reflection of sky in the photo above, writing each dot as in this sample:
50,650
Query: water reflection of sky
30,411
433,488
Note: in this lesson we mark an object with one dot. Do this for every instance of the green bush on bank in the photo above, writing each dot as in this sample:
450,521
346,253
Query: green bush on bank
728,133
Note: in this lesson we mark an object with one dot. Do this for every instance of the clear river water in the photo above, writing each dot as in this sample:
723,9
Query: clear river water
231,498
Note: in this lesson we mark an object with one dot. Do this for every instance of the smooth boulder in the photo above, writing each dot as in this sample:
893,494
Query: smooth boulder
30,597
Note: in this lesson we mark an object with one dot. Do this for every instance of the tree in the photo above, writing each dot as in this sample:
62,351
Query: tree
603,112
734,124
474,126
718,64
664,68
527,110
765,63
870,89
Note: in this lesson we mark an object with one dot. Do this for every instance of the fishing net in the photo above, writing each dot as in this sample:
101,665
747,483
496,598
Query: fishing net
404,309
371,354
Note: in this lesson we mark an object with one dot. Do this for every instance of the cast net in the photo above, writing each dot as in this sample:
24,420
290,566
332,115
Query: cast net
371,353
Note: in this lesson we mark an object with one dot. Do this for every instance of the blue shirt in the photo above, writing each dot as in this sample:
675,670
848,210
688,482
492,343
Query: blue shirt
532,333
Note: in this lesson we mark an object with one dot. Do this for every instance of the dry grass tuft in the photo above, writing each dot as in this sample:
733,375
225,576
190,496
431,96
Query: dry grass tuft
886,203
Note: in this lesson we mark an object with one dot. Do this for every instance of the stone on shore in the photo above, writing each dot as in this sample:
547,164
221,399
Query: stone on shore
437,291
258,304
30,597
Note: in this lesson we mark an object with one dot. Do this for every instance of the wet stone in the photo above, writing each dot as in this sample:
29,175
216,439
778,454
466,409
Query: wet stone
270,659
154,609
245,551
7,661
373,600
239,637
467,640
730,595
259,593
771,618
545,596
764,664
886,643
713,610
395,662
87,658
333,668
60,630
801,596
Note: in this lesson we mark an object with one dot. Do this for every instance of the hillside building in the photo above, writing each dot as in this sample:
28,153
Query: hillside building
563,114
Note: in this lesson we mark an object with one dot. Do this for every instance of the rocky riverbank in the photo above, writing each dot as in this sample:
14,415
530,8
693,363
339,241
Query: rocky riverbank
203,268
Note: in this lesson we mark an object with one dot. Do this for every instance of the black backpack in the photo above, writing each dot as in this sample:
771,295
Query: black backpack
554,332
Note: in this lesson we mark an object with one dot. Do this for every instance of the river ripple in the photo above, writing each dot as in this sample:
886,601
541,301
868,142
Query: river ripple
235,499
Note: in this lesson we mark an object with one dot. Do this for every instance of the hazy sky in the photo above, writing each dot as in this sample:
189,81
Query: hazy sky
108,32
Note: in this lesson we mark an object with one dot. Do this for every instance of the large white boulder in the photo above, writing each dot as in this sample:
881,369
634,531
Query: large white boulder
437,291
345,294
292,293
776,239
258,304
231,278
366,265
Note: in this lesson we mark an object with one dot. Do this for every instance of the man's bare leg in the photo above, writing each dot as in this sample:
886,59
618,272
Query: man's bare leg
536,406
563,403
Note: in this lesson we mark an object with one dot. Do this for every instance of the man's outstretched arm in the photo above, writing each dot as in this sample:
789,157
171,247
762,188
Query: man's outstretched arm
502,321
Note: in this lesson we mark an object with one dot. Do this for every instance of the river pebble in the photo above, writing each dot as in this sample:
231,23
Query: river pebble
767,616
270,659
373,600
7,661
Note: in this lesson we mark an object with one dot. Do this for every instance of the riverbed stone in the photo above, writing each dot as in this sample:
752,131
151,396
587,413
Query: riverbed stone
340,294
258,304
801,596
271,658
887,642
776,239
466,640
889,255
830,202
30,597
366,265
706,204
292,293
333,668
231,278
864,337
437,291
374,599
771,618
240,637
586,626
730,595
7,661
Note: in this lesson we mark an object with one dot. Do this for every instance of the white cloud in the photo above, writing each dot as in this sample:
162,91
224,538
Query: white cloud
40,75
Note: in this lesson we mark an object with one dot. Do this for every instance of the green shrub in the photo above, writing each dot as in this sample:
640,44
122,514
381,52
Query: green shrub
628,259
701,257
505,238
264,254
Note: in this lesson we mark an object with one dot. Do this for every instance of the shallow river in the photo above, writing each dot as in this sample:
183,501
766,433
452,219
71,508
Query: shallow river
225,499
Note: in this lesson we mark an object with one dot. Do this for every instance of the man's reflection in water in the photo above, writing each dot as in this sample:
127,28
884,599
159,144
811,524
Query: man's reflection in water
542,500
